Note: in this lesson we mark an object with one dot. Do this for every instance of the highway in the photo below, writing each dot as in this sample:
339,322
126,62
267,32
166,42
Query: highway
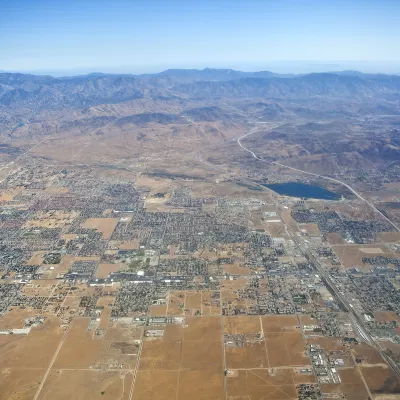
358,321
254,130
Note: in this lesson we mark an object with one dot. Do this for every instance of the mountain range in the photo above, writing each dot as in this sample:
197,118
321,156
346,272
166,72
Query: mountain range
36,93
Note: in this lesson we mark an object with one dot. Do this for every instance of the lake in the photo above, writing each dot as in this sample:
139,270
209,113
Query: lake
295,189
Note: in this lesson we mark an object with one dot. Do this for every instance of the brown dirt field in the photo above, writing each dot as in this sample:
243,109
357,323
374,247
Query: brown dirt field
160,354
288,219
176,301
352,391
84,385
262,385
69,236
81,350
103,270
326,343
277,354
311,229
279,323
8,195
307,320
117,333
369,354
202,328
105,301
234,269
202,355
61,268
351,255
350,376
303,378
381,379
51,219
31,351
234,285
129,245
394,347
14,318
392,185
276,229
385,316
200,385
156,385
19,383
104,225
40,287
105,317
286,349
36,258
295,346
57,190
229,293
193,300
389,237
334,238
173,332
72,301
242,325
252,355
158,310
207,307
90,258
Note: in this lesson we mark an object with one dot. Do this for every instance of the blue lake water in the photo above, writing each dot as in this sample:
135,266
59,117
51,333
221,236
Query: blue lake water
295,189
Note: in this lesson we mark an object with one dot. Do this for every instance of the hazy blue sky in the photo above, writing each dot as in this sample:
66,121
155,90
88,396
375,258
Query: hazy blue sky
141,36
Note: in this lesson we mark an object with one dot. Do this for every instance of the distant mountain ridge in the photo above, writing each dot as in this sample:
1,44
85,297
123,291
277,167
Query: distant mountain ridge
34,92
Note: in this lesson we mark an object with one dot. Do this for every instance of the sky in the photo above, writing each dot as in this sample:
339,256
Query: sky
135,36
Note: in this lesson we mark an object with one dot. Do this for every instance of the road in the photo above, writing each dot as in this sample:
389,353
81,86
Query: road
358,321
51,363
254,130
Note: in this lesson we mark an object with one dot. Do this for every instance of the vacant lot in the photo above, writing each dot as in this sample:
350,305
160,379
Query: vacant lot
15,318
31,351
19,383
158,310
385,316
208,306
381,379
104,225
234,269
262,384
161,354
351,255
242,325
368,354
86,385
251,355
279,323
103,270
176,303
156,385
202,328
351,385
202,355
286,349
82,350
193,301
200,385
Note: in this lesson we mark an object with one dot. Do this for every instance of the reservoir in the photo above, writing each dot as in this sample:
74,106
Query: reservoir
295,189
